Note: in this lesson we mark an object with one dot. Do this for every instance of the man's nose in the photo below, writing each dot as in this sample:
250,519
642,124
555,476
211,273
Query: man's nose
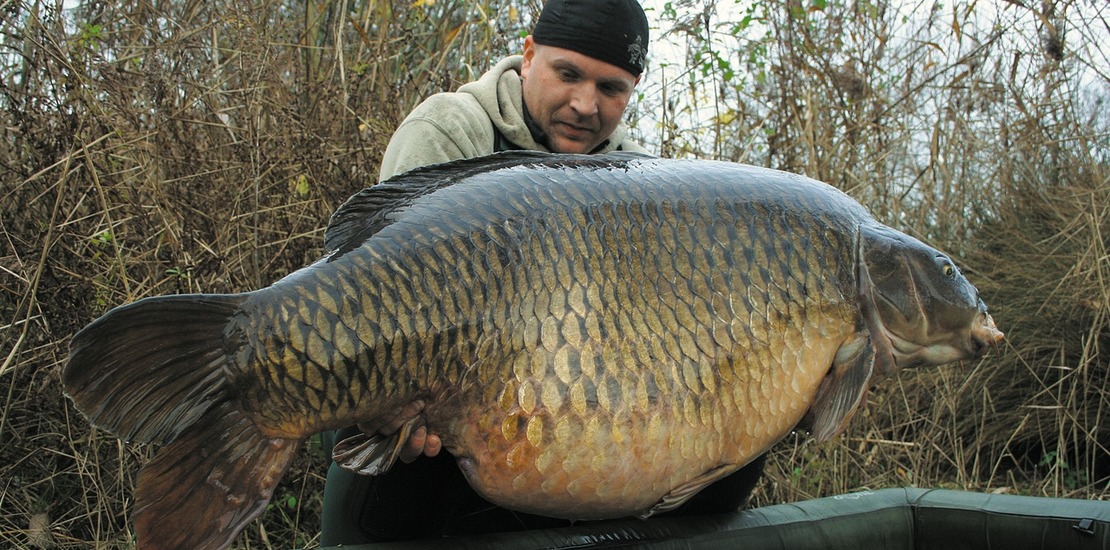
583,99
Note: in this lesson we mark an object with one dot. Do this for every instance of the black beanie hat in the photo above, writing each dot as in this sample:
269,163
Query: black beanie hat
613,31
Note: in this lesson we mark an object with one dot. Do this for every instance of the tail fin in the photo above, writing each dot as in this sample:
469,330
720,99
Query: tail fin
203,488
148,370
155,371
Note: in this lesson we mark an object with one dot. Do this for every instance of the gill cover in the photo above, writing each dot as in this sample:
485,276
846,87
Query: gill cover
918,307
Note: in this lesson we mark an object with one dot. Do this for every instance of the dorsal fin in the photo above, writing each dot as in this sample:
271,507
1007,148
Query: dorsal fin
368,211
371,209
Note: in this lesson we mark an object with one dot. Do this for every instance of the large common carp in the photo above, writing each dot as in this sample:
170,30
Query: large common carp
590,337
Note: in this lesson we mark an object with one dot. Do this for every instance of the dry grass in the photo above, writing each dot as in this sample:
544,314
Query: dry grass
202,148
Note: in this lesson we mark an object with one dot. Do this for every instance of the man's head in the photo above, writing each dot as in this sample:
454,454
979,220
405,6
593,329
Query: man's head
581,63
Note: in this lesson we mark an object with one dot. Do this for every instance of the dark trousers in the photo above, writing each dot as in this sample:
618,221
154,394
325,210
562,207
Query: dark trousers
430,498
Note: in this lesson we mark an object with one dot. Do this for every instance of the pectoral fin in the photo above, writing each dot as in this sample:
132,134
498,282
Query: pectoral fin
843,388
373,454
679,495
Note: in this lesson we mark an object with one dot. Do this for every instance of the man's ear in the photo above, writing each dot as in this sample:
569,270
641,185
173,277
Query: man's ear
529,53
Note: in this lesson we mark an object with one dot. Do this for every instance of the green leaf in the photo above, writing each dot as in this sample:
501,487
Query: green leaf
301,187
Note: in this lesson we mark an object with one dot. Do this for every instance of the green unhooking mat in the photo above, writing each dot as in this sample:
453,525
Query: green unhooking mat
893,519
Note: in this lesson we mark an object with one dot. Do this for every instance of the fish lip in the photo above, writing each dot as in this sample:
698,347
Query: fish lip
985,335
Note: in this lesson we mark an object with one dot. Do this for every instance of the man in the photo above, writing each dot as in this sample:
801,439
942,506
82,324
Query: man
567,93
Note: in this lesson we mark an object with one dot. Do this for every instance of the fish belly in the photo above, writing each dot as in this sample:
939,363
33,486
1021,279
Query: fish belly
592,445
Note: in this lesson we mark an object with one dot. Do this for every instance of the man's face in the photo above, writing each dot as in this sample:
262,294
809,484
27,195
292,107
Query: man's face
575,99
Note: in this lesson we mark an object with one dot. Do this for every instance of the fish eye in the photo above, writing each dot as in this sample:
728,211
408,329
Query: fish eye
947,268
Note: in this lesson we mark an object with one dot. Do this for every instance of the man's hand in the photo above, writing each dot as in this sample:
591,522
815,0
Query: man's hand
420,442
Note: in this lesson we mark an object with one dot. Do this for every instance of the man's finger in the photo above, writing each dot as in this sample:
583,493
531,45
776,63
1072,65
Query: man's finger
414,447
432,445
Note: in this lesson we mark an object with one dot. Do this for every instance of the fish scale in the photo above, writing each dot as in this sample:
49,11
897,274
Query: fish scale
687,411
589,337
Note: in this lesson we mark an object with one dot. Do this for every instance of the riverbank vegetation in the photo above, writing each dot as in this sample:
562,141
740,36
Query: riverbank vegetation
201,146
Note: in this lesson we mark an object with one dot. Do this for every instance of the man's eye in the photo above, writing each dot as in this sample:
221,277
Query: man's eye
609,89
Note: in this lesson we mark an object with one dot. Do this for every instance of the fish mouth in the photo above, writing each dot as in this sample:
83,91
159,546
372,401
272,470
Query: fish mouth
897,349
982,337
985,335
